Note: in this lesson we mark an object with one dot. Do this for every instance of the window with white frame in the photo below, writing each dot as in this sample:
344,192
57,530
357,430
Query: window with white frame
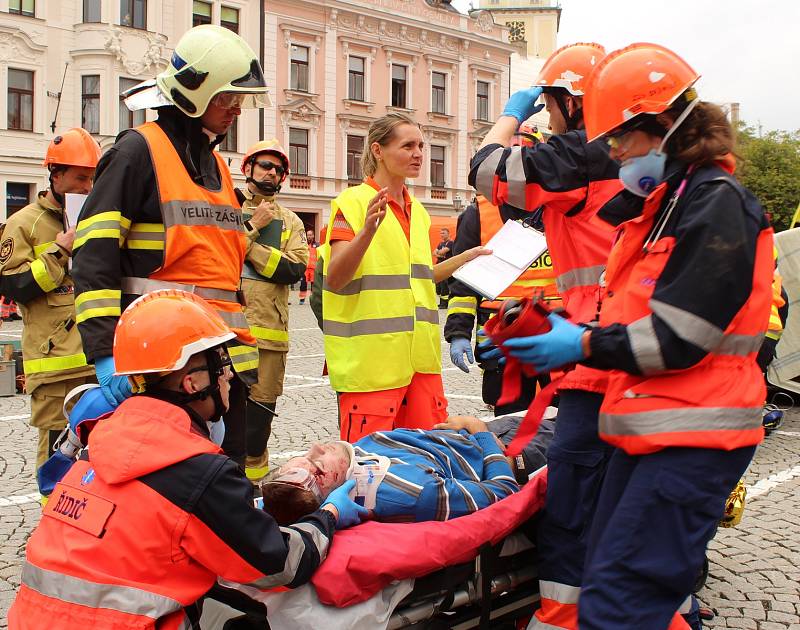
355,78
438,92
229,18
90,102
201,13
298,150
355,149
482,100
22,7
91,10
127,118
231,140
298,79
133,13
437,166
399,85
20,99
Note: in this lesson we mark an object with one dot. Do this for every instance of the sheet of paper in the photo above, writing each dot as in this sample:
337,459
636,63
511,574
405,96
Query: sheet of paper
514,248
74,203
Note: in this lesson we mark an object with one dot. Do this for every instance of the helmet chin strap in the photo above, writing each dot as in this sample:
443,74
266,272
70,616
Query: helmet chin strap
572,120
56,195
266,188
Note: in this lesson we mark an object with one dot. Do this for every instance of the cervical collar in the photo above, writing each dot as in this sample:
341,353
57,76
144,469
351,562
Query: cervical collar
368,472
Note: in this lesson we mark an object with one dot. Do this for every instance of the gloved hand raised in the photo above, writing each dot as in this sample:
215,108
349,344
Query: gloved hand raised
560,346
459,347
115,388
522,104
348,512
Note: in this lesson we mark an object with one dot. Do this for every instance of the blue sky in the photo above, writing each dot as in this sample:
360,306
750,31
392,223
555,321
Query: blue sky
745,51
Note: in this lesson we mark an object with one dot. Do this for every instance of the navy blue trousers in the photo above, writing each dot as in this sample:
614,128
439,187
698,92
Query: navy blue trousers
654,518
576,463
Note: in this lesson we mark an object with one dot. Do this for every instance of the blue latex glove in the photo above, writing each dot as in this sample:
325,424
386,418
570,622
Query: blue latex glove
350,512
458,348
522,104
551,350
115,388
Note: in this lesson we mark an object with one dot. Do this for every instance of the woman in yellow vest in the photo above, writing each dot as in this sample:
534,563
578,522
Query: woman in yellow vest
380,316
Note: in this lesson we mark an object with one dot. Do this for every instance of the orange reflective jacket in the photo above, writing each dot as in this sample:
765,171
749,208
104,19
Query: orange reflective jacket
717,402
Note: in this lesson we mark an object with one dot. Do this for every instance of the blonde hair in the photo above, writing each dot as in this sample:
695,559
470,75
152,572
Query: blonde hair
382,132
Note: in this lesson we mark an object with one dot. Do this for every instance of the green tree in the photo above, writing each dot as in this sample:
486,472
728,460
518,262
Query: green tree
769,166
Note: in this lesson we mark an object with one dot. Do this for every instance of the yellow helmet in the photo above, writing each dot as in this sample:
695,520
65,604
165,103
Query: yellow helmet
209,60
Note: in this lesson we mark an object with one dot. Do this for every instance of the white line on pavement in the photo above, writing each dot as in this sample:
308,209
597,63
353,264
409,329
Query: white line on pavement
19,417
789,433
306,385
463,397
11,334
287,454
33,497
320,379
765,485
305,356
291,330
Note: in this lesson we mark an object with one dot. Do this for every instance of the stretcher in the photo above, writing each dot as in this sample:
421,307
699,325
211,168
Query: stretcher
476,571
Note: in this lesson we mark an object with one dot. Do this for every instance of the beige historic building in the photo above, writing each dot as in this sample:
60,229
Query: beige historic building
63,63
339,64
333,66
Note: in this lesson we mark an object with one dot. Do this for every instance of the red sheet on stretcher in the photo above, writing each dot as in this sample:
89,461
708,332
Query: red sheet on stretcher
363,560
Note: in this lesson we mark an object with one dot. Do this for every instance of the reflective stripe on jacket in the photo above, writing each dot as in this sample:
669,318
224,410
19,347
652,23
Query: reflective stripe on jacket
267,299
383,326
139,534
573,179
717,401
34,274
204,241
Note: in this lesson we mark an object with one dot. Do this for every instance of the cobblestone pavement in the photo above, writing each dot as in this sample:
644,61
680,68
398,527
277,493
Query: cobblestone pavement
754,580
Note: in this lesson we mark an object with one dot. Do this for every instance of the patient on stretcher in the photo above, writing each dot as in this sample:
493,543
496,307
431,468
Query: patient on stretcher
408,475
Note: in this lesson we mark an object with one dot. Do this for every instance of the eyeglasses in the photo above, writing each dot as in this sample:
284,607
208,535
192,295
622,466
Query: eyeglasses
299,477
229,100
267,165
225,367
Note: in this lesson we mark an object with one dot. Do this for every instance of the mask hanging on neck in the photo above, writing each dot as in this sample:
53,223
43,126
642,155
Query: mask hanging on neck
266,188
640,175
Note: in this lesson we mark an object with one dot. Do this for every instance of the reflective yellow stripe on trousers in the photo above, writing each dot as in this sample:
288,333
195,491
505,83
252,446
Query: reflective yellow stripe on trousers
54,364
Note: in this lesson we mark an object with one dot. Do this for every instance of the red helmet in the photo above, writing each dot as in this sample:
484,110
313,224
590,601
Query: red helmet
570,66
73,148
266,146
638,79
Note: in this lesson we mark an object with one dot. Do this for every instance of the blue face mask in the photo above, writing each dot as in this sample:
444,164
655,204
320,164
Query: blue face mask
640,175
216,431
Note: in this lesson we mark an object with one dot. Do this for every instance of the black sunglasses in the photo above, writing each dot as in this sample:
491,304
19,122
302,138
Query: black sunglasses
267,165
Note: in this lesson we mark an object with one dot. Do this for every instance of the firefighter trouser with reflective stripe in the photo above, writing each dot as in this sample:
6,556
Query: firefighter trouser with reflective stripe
655,515
47,414
576,462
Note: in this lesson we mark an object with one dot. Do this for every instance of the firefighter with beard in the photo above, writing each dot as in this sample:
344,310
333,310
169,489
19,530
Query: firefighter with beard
277,255
164,213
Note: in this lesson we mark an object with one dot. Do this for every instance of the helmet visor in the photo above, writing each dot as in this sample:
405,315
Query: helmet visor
241,100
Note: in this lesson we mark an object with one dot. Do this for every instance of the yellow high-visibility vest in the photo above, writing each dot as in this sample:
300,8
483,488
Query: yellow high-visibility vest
383,326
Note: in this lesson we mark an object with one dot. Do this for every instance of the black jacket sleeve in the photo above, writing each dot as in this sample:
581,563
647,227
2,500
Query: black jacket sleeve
462,307
704,284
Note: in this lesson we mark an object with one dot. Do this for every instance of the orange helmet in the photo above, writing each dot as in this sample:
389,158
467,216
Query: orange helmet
638,79
570,66
159,331
73,148
524,137
266,146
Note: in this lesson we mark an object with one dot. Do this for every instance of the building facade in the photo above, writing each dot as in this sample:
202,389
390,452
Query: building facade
340,64
333,66
64,63
533,27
